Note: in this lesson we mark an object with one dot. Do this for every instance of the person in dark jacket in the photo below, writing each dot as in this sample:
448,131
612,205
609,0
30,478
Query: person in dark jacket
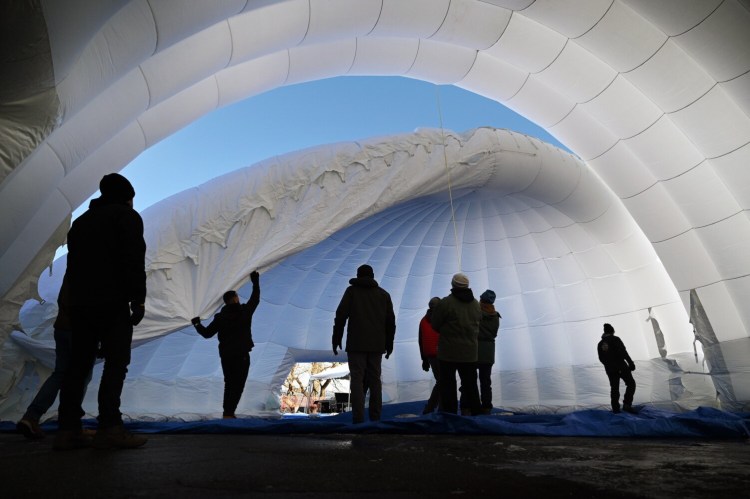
456,317
372,326
428,343
107,285
488,328
28,425
618,365
234,327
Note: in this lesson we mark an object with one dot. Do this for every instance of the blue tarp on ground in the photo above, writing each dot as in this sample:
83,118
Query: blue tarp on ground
403,418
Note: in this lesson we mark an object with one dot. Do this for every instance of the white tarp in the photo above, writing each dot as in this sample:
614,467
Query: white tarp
652,96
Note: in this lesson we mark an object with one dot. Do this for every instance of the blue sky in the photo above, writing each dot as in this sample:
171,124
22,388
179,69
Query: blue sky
307,115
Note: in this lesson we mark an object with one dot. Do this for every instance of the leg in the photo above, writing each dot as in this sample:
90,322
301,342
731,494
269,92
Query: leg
614,390
485,386
357,369
49,390
448,398
116,339
374,384
467,371
434,400
627,399
235,369
84,343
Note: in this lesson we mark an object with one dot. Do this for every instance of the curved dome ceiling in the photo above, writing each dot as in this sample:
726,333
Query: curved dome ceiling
652,96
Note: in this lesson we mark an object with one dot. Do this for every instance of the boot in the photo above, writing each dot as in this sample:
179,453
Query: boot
117,437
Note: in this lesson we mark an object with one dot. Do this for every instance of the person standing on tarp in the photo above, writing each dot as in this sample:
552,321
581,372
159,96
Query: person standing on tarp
618,365
456,317
372,326
488,328
234,327
428,344
107,277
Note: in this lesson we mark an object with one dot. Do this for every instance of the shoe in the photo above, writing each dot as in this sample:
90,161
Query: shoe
70,440
229,416
30,428
485,411
117,437
629,409
616,410
89,432
466,412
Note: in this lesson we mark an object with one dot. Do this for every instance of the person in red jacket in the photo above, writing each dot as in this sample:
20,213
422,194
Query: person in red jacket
233,325
428,342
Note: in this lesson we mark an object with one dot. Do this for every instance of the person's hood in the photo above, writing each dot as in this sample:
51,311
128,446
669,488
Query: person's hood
463,294
364,282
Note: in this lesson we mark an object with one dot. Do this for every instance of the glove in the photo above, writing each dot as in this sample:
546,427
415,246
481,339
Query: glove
138,310
254,277
425,366
388,352
632,366
195,321
336,346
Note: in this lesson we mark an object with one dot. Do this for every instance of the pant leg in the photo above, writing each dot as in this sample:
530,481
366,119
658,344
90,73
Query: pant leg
627,377
374,384
116,339
614,388
357,369
51,386
467,371
485,385
83,347
235,368
434,400
448,398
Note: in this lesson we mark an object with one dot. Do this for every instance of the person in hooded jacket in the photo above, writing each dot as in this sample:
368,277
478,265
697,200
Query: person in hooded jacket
428,343
371,328
488,328
456,317
618,365
106,275
233,324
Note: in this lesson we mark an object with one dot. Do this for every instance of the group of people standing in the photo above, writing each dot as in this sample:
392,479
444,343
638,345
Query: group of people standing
103,297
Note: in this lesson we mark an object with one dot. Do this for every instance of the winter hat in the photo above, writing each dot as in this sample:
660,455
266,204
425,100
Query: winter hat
460,281
116,188
609,329
434,301
488,296
365,271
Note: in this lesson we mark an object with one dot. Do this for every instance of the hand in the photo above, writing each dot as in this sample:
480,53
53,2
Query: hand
388,352
254,277
335,347
138,310
195,321
632,366
425,366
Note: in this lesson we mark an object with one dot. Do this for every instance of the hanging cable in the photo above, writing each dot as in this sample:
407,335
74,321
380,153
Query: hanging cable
450,186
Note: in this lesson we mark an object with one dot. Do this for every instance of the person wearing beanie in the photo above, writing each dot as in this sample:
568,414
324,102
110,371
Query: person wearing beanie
428,344
488,328
619,366
370,331
106,274
456,317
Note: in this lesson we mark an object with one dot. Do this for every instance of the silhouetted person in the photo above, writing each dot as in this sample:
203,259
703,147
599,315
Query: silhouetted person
28,425
456,317
107,278
234,327
618,365
370,332
488,328
428,345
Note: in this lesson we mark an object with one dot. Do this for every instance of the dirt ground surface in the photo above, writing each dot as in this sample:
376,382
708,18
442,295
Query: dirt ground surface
377,465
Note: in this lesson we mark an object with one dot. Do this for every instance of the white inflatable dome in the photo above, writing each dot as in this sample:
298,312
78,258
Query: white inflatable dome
646,227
